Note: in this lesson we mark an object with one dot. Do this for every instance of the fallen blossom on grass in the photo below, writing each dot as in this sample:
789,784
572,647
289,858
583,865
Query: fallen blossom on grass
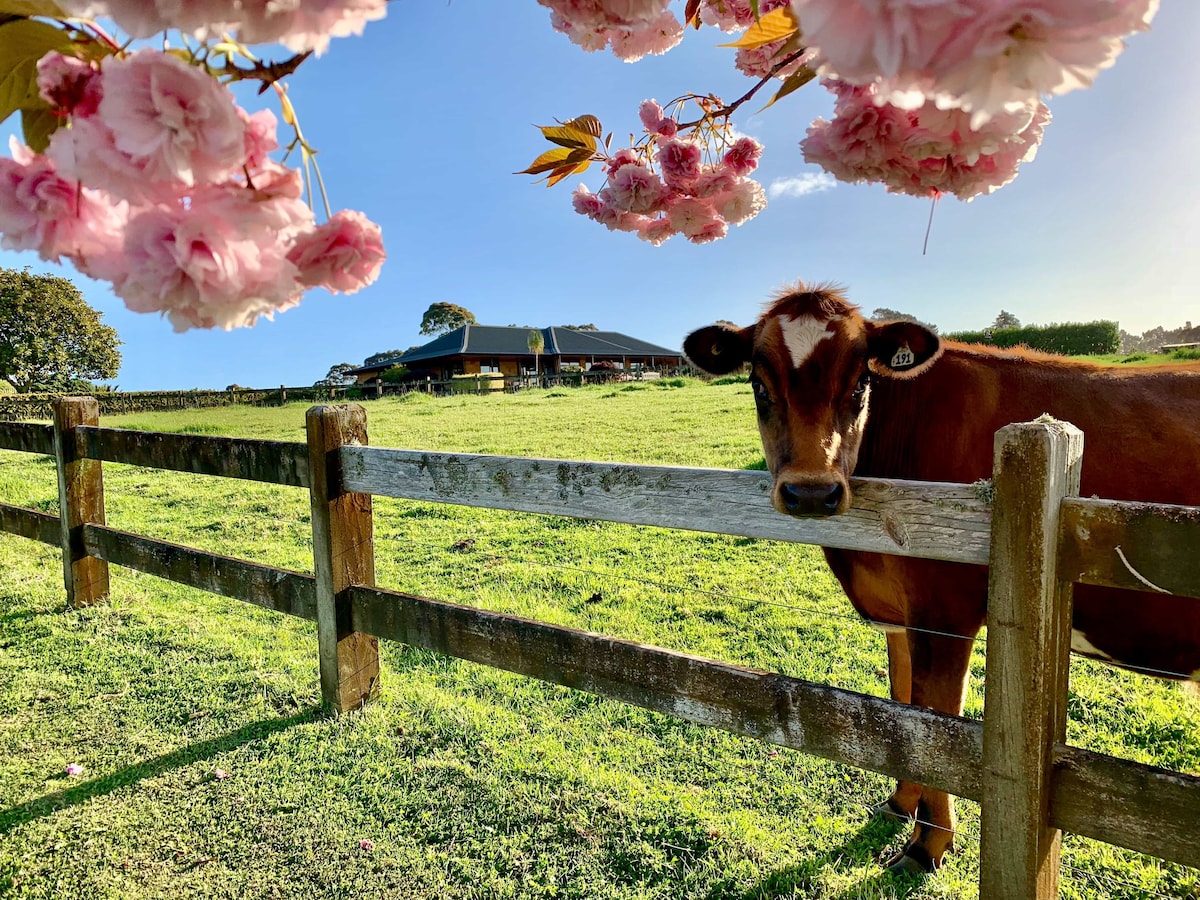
367,844
74,769
220,774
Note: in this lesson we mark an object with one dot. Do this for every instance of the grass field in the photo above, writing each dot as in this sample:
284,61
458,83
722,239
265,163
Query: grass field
466,781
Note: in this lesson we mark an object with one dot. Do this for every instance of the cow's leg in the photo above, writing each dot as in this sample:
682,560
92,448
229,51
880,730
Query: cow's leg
939,681
907,794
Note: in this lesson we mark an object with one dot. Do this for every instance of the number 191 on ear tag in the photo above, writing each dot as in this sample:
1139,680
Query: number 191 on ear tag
904,357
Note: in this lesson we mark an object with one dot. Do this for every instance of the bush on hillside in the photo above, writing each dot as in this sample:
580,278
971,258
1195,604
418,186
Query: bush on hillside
1068,339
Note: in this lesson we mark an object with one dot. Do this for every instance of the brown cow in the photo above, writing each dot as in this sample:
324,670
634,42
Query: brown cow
839,394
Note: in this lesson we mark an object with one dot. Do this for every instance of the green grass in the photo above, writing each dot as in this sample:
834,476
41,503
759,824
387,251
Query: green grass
470,782
1142,358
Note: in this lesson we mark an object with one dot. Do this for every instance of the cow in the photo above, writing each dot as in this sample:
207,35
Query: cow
838,394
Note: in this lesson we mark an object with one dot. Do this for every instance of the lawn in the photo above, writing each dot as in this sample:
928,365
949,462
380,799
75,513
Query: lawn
207,769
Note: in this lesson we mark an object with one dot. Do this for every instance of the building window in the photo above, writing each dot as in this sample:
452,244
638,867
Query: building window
489,365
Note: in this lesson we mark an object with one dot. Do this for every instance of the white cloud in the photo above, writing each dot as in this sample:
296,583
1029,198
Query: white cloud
801,185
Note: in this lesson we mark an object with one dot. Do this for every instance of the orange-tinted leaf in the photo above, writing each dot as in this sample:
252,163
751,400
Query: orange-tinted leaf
566,172
566,136
691,14
777,24
555,159
793,82
587,124
551,159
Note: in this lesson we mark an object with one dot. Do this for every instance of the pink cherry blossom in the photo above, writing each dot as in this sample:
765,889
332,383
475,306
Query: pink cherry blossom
42,211
302,25
74,769
742,202
624,157
70,85
680,162
220,774
366,844
712,230
636,189
585,202
690,216
742,158
656,231
343,255
172,120
203,270
985,56
922,152
652,38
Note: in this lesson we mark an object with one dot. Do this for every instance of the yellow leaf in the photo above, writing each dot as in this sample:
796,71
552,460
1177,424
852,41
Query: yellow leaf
793,82
551,159
31,8
587,124
37,125
566,136
22,43
691,14
776,25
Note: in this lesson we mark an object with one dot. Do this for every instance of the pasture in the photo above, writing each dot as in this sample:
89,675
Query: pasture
468,782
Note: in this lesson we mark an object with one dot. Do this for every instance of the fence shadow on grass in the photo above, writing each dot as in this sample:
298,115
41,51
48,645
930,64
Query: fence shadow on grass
98,787
864,846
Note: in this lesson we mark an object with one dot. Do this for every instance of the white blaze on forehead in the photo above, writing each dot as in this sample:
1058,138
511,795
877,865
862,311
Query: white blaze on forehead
802,334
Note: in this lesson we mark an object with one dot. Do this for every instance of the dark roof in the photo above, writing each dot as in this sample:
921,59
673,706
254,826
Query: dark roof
499,340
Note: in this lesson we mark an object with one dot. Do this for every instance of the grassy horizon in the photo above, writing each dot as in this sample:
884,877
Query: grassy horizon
467,781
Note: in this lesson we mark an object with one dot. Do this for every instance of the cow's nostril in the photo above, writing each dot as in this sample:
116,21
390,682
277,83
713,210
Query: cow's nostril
811,499
834,498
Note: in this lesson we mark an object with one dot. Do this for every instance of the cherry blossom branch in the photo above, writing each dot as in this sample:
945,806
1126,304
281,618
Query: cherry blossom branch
731,108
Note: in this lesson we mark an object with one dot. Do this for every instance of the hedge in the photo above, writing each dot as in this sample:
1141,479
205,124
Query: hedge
1069,339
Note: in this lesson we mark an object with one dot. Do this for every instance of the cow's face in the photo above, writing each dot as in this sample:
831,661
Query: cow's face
812,358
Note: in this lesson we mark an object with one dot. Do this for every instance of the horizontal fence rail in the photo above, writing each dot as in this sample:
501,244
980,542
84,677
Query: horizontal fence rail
930,520
27,437
1140,546
273,462
30,523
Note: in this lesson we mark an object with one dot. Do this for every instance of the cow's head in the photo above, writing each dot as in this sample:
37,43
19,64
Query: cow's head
812,358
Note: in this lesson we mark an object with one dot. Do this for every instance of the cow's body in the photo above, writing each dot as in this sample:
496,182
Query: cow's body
933,418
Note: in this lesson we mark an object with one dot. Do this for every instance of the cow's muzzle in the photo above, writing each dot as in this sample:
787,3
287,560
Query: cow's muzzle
809,500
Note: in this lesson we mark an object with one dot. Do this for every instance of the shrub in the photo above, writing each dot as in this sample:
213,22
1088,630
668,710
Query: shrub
394,375
1069,338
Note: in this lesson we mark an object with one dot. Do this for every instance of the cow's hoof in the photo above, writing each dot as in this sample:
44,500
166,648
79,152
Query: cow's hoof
913,860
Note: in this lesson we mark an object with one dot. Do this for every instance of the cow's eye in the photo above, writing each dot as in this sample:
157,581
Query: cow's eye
860,389
761,395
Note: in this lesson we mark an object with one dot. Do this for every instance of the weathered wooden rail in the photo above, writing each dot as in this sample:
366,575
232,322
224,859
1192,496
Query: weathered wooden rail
1036,536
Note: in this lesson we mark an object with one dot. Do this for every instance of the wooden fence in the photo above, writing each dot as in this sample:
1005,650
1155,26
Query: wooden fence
1037,537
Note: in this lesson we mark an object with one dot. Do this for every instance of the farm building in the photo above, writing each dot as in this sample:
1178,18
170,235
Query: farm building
480,349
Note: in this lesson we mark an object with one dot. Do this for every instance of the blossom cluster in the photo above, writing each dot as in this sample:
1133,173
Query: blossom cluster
736,15
986,57
300,25
686,195
924,151
162,185
630,28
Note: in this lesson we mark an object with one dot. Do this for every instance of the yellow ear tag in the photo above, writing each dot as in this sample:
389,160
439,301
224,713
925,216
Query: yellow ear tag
903,358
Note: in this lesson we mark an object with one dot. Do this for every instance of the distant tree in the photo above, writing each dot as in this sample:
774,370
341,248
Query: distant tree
1005,320
588,327
394,375
236,387
337,376
885,314
50,339
381,356
537,344
441,318
728,324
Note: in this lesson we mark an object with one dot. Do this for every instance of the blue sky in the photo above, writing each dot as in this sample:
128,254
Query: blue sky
421,122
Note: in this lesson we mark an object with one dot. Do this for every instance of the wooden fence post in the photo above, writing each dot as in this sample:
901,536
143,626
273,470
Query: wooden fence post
1028,648
343,555
80,500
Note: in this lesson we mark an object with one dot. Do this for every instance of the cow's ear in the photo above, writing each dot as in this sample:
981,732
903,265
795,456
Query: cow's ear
902,349
719,349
